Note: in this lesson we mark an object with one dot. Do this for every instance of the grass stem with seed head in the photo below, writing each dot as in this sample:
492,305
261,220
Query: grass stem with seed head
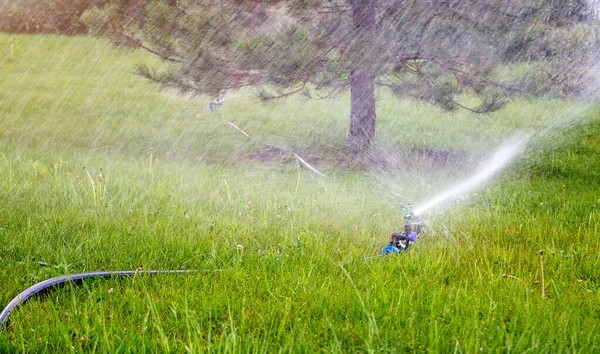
506,276
92,183
103,183
227,188
297,176
323,185
542,268
99,186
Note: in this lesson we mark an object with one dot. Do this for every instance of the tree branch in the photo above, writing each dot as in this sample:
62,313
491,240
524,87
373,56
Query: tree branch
139,44
265,97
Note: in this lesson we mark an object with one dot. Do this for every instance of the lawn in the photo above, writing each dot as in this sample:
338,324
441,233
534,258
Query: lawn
288,260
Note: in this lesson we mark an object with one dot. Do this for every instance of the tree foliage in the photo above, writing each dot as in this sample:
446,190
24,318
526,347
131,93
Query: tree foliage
432,50
44,16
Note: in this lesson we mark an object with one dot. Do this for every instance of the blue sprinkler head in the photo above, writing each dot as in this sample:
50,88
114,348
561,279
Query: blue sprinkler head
389,249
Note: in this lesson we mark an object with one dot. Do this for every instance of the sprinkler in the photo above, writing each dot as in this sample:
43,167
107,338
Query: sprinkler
211,105
400,241
217,102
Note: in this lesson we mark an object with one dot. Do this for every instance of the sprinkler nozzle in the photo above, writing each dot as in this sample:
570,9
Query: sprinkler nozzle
400,241
412,237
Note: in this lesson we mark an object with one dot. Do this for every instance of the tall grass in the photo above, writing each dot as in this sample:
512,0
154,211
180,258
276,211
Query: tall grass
294,257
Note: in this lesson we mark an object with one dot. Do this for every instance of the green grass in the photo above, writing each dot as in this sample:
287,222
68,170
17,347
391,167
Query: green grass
297,254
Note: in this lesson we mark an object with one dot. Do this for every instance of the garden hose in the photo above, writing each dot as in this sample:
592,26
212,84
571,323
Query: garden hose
50,283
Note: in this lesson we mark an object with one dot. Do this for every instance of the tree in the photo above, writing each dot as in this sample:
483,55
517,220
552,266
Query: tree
44,16
431,50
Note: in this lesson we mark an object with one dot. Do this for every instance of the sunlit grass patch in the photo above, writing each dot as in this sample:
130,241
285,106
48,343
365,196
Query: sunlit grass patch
296,256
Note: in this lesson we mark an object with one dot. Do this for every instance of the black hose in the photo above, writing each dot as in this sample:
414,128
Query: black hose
50,283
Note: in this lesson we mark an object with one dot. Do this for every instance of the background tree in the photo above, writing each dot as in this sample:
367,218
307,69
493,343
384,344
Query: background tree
44,16
432,50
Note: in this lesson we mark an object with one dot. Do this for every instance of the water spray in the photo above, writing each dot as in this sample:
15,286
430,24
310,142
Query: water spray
219,102
502,157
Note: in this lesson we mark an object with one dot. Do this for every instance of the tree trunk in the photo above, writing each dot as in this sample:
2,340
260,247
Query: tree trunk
362,111
362,78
